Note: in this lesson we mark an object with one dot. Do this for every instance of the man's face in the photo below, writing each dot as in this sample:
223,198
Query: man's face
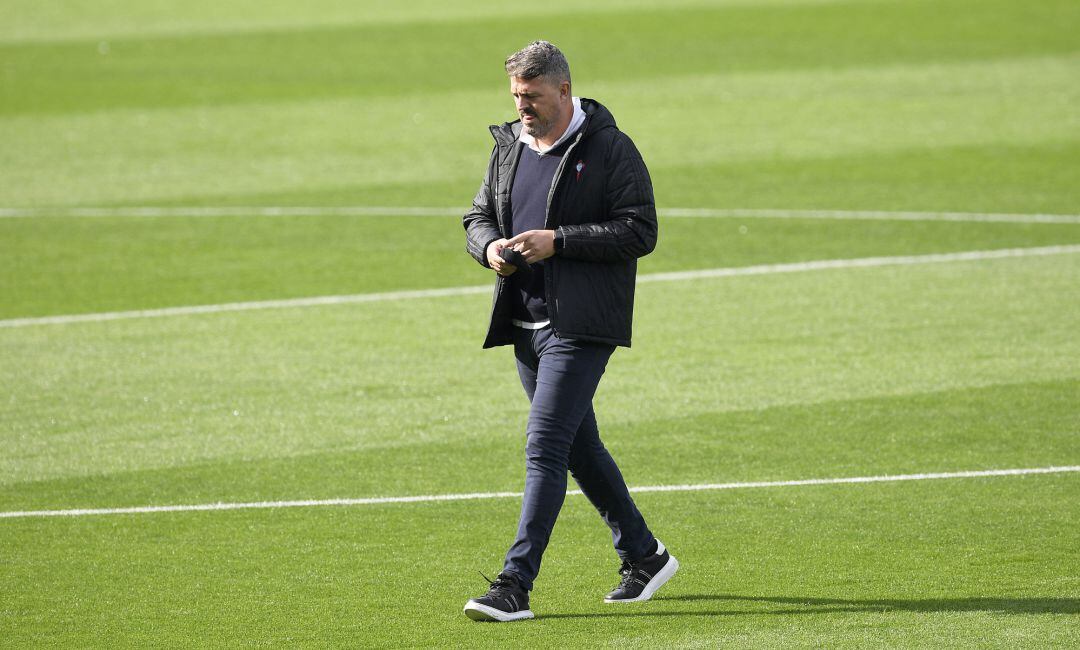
539,102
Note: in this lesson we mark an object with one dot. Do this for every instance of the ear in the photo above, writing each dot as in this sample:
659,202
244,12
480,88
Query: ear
564,90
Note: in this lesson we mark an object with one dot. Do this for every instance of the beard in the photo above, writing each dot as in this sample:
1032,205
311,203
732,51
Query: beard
539,127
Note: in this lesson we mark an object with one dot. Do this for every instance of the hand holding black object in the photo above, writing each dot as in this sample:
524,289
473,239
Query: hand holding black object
511,256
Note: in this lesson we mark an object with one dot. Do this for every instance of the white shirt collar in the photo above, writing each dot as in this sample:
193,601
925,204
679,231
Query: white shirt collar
575,123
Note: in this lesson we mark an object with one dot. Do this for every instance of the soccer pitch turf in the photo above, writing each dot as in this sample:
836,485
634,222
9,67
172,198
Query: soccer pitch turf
960,114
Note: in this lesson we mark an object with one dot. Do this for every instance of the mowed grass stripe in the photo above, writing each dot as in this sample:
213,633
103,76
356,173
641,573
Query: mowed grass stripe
213,153
52,267
474,496
28,20
871,436
988,177
674,276
336,61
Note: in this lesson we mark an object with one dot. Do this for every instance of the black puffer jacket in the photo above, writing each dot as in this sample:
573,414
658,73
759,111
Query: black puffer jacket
604,219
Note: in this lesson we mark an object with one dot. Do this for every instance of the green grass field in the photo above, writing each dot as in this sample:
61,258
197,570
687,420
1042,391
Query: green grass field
926,107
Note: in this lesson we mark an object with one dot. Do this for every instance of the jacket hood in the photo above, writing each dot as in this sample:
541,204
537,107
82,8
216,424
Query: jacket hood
597,118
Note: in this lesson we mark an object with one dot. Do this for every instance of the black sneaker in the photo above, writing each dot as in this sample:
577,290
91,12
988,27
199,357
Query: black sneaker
504,601
641,579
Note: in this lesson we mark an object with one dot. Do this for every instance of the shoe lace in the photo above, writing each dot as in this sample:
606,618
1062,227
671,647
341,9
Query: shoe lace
499,586
627,572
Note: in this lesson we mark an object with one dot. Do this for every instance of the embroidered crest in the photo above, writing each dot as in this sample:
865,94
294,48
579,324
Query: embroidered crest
579,167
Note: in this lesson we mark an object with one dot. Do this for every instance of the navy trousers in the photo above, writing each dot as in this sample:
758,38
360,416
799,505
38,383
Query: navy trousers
560,377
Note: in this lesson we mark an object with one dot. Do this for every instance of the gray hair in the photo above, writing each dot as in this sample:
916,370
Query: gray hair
539,59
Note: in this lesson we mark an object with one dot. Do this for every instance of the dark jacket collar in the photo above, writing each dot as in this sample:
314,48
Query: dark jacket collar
596,118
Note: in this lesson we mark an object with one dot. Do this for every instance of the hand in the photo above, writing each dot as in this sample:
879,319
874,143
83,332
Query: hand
496,262
535,245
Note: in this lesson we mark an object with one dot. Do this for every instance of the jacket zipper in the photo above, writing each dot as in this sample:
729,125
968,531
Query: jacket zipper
553,300
503,230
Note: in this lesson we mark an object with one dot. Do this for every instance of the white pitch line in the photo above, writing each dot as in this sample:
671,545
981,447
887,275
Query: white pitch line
245,306
434,211
234,211
673,276
870,215
858,262
475,496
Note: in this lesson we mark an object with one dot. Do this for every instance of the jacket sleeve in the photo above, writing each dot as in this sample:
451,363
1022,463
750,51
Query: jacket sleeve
630,229
481,224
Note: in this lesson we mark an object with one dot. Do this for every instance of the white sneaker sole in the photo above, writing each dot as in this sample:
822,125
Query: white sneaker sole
479,612
662,576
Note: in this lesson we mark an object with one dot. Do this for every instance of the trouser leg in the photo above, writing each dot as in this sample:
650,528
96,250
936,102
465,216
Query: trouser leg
560,376
602,483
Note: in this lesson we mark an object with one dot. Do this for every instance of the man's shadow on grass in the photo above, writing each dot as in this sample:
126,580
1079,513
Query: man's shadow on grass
801,605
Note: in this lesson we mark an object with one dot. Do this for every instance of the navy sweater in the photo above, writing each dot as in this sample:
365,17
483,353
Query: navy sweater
528,210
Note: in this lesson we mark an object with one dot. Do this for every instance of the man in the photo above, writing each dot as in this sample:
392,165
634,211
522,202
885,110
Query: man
565,210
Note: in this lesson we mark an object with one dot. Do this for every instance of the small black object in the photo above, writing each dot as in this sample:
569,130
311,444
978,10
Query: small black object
511,256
